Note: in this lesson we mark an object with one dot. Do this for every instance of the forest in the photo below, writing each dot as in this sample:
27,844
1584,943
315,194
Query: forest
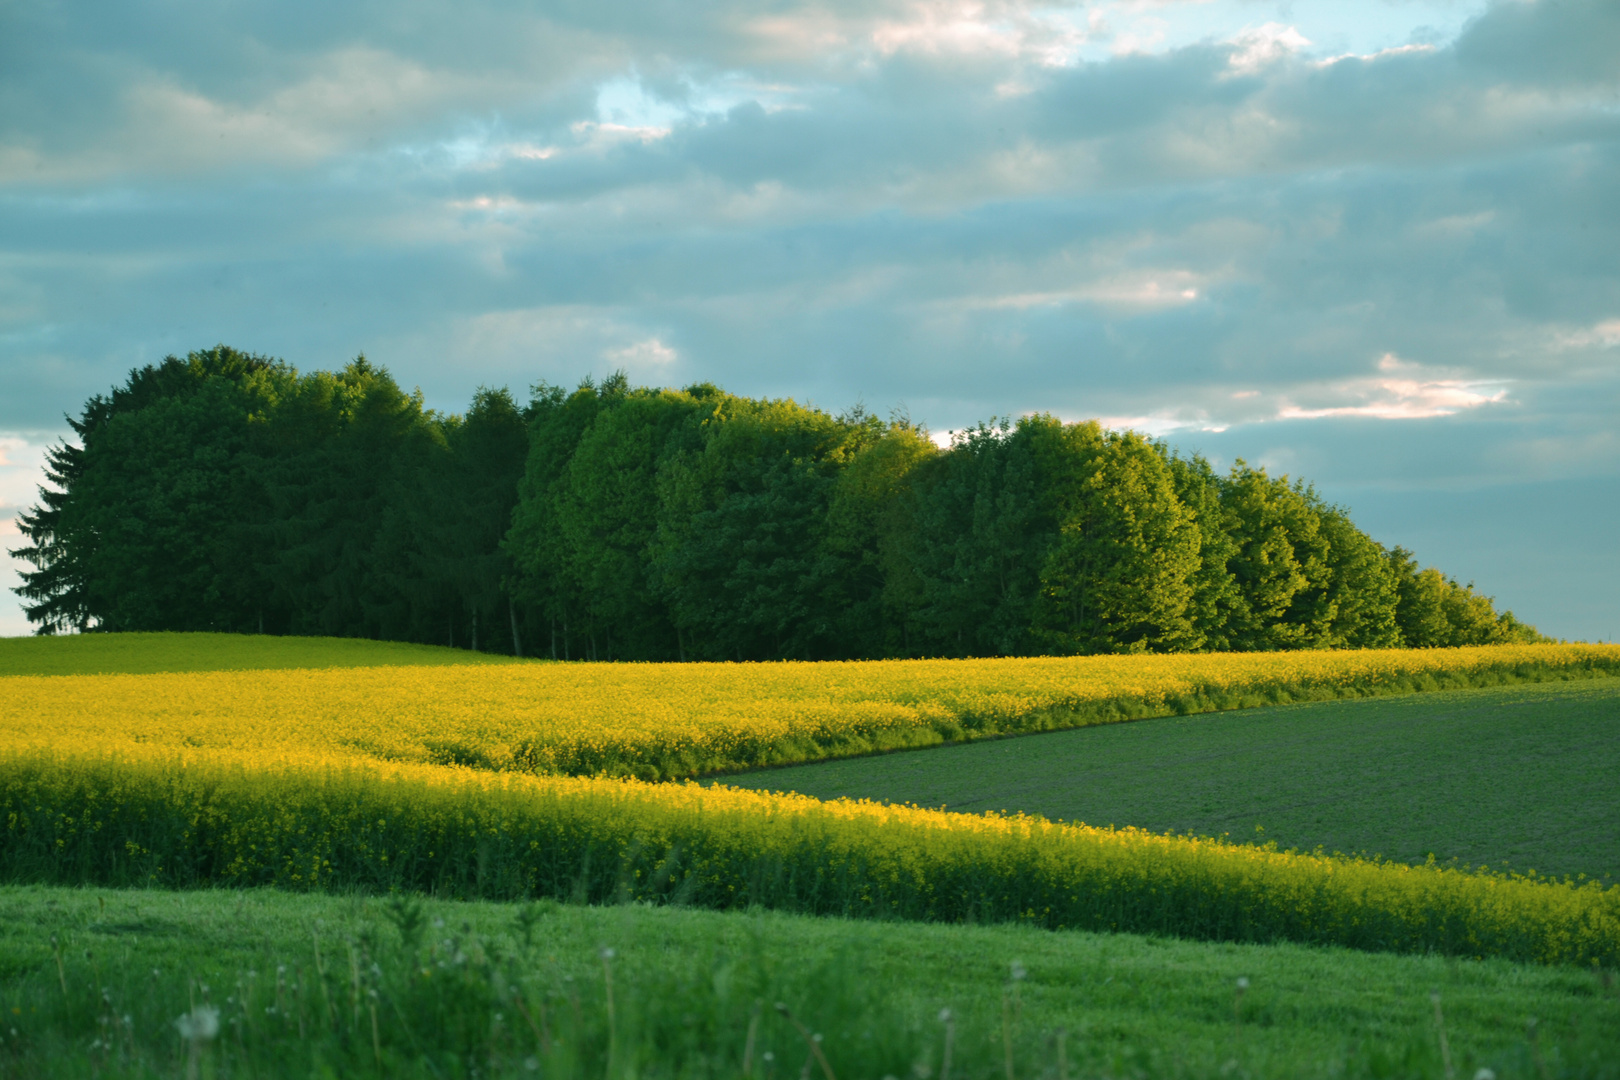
225,491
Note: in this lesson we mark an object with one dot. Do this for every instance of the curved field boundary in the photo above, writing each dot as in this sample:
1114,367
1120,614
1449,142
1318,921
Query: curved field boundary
218,819
669,721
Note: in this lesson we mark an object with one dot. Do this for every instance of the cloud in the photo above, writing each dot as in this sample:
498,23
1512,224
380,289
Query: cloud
1167,214
642,356
22,457
1605,334
954,27
972,207
1401,391
22,460
1258,48
1139,291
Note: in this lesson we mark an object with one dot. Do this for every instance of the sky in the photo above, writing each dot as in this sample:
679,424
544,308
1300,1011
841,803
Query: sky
1371,243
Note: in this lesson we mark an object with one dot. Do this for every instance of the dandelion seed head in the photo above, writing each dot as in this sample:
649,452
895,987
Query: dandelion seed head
200,1024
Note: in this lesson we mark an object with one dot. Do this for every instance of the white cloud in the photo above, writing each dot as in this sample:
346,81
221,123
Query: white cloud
1145,36
1455,226
1605,334
1166,423
1262,46
1148,290
22,460
1394,50
12,621
1401,391
955,27
598,133
642,355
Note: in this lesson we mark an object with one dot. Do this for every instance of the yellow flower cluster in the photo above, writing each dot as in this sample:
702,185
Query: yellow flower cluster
676,720
223,817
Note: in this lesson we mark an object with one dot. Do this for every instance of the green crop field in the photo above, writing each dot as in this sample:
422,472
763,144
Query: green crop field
1520,777
311,985
143,654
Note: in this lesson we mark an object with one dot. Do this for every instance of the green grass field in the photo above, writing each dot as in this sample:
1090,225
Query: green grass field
143,654
687,984
1518,776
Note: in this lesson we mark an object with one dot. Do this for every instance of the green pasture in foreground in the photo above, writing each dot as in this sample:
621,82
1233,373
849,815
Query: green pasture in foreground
141,654
1519,777
93,981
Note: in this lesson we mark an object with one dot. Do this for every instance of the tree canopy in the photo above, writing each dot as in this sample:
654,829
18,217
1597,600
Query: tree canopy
227,491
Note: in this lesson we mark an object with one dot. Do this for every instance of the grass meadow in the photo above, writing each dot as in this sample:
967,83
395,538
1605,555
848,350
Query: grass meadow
154,653
245,858
321,985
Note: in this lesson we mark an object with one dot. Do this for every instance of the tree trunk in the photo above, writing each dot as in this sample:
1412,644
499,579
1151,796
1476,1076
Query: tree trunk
475,630
517,642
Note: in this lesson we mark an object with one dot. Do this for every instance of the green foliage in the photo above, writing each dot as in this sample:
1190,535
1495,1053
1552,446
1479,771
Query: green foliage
535,543
1119,576
1279,565
608,513
153,523
975,532
1434,611
456,510
1361,595
347,447
870,587
1216,598
229,492
741,551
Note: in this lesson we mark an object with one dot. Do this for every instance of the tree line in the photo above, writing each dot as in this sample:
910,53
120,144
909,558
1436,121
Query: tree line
230,492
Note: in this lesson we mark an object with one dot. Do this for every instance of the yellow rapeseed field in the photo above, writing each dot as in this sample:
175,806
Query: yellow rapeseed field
675,720
228,818
360,778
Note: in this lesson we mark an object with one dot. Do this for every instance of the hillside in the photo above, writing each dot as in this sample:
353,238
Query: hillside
144,654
